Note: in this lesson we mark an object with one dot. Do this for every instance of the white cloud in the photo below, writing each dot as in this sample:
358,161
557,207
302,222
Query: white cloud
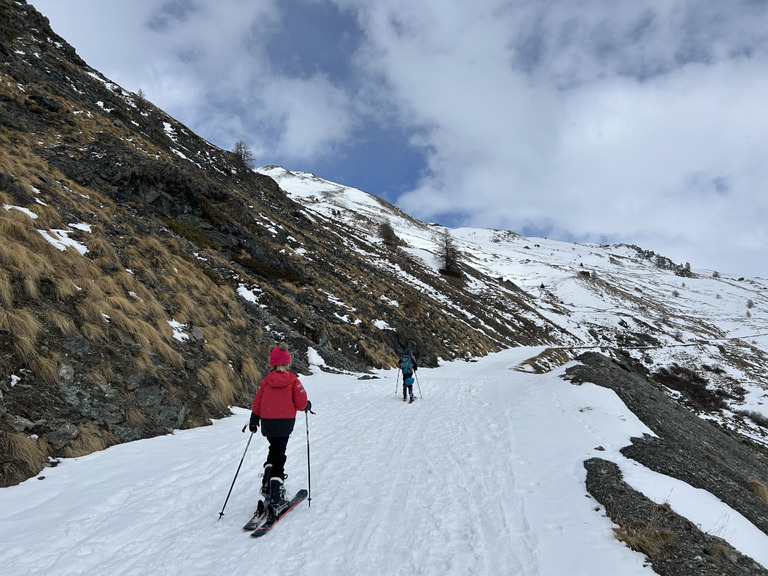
639,122
624,136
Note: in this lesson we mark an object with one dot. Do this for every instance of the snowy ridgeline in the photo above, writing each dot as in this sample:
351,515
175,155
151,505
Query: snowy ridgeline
482,475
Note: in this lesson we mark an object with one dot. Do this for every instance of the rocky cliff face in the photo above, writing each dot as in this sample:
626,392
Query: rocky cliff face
144,274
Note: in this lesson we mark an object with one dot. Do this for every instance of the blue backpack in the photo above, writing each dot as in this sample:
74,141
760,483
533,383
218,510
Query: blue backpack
406,365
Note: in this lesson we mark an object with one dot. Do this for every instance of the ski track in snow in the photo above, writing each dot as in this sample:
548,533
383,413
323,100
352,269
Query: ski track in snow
483,476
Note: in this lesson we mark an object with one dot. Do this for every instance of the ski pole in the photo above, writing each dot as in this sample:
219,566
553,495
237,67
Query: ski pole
236,473
309,469
397,382
417,384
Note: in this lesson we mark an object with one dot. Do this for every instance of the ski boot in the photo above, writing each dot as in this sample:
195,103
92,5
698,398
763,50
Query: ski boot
276,502
265,480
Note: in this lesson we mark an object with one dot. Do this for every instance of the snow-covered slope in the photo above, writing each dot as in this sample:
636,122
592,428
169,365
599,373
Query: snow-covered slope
482,475
607,297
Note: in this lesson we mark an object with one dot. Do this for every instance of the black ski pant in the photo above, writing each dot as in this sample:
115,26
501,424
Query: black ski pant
276,454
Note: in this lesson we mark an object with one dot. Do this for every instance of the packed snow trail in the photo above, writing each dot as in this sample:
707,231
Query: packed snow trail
483,476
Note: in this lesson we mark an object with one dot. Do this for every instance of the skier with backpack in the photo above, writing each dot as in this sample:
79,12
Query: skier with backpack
407,365
279,397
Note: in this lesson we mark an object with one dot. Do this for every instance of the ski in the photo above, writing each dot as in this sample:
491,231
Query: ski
265,526
257,518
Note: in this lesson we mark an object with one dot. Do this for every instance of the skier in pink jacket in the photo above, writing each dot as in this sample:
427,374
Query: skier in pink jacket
279,397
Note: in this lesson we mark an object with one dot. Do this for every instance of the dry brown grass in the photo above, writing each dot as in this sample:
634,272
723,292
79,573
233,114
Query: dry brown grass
20,262
31,288
155,254
104,372
91,288
25,347
16,226
78,268
47,217
62,322
6,290
720,549
216,347
184,309
91,310
103,254
144,272
94,332
548,360
108,286
30,451
90,439
122,304
45,368
375,353
759,489
64,288
167,353
217,377
140,330
135,417
20,322
249,371
144,362
646,537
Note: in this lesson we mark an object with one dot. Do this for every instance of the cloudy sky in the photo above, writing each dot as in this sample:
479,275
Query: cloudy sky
643,122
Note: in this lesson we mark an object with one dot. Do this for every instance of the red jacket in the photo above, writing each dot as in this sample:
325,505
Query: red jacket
279,397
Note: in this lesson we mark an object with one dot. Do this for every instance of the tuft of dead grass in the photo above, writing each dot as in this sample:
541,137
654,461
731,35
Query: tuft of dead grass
104,254
144,362
47,217
104,372
6,290
217,377
135,417
90,439
108,285
64,288
646,537
759,489
249,371
91,311
46,368
20,323
22,447
216,347
62,322
94,332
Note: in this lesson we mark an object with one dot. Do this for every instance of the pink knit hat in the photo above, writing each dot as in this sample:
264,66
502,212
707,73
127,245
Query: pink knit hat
279,356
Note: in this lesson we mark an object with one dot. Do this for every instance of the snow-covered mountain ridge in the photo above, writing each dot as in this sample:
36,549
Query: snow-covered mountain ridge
619,299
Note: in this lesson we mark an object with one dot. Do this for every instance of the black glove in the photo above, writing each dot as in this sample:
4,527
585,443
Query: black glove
309,406
254,423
